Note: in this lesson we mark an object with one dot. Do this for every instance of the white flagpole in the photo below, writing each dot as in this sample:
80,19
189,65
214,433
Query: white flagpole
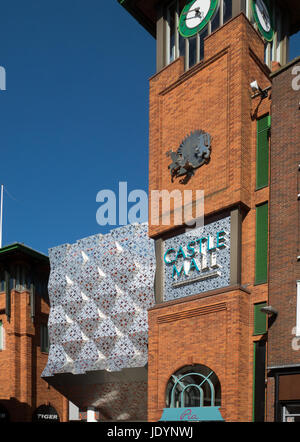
1,216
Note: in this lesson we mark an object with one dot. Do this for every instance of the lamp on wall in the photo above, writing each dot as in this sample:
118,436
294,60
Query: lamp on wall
258,91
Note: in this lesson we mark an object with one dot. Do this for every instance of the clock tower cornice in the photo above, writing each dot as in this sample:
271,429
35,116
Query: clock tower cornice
146,12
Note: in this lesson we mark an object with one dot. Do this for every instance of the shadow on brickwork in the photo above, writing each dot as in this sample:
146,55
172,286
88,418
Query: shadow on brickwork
14,411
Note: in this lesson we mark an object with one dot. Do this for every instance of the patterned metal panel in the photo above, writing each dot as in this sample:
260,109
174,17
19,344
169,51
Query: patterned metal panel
100,289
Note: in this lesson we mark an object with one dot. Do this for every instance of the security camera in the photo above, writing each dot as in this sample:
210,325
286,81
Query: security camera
255,87
258,91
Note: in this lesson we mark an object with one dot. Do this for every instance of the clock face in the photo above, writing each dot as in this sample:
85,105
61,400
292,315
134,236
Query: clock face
195,16
263,19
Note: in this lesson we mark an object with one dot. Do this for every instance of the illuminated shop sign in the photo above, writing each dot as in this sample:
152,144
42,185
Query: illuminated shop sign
198,260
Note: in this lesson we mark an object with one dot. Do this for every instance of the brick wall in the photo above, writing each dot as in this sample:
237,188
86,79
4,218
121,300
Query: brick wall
284,216
209,331
214,96
284,221
22,389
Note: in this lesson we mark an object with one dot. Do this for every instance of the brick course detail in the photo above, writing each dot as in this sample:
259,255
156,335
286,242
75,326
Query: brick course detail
22,389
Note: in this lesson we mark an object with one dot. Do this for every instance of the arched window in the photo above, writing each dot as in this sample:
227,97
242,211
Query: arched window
193,386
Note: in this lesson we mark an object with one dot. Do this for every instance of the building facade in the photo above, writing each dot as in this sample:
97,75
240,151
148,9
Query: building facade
199,341
284,287
209,130
24,345
214,328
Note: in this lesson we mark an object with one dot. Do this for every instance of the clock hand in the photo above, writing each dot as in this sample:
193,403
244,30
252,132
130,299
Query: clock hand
196,9
265,17
198,13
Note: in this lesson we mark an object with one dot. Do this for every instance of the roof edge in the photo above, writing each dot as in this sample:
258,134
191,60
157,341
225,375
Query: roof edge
25,249
285,67
140,17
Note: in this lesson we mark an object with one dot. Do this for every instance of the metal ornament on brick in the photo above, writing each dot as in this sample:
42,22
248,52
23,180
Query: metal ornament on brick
100,289
193,152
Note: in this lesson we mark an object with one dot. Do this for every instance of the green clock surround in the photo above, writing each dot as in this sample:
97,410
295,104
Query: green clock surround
186,31
268,35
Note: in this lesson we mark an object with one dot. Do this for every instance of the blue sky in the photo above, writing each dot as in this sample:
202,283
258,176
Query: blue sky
74,117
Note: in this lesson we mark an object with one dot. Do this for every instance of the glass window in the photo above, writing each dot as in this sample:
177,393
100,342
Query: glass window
277,49
192,51
171,22
215,24
181,45
175,46
192,48
227,10
249,11
202,37
193,386
44,338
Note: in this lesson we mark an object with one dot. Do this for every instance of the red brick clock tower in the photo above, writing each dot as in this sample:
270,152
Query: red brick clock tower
209,131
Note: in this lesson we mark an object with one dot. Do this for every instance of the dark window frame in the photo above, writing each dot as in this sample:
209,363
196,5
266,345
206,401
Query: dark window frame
44,338
262,243
263,126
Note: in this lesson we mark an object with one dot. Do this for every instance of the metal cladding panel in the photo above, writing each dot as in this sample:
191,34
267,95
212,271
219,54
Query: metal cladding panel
100,289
